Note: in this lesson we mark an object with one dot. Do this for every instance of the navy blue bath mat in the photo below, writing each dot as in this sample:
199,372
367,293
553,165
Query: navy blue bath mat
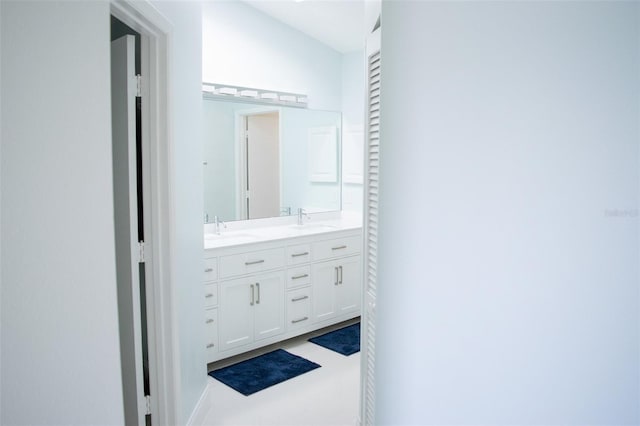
266,370
345,340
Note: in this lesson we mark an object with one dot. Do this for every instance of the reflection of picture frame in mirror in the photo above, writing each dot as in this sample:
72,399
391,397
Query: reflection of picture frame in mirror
323,154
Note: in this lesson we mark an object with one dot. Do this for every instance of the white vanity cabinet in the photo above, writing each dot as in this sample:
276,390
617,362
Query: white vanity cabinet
251,309
337,283
211,306
265,292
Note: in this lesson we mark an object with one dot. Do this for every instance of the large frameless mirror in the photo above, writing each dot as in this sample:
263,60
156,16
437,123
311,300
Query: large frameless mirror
265,161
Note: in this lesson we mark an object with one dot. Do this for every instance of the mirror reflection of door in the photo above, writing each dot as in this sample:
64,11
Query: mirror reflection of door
262,158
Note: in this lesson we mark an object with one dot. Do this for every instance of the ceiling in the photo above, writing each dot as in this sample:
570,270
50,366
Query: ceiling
337,23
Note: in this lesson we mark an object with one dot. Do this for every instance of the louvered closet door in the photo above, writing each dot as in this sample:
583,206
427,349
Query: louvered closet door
371,238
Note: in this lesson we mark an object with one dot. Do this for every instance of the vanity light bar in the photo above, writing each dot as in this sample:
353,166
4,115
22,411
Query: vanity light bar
247,94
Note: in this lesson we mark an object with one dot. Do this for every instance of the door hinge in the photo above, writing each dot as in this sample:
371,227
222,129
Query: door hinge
147,404
138,85
141,258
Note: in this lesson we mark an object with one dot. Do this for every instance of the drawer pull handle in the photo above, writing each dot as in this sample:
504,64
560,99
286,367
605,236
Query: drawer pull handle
209,321
255,262
208,295
337,281
297,277
306,253
253,295
338,248
210,345
209,270
299,298
299,320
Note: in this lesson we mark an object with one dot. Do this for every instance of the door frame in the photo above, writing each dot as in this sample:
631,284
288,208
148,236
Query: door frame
241,154
156,33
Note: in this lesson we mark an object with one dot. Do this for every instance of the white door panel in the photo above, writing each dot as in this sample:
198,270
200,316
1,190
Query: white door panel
123,110
263,164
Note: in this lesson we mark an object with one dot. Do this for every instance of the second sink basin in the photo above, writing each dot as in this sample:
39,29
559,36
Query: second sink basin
313,227
235,237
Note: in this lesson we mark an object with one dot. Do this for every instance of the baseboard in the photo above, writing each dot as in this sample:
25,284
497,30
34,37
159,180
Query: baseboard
199,405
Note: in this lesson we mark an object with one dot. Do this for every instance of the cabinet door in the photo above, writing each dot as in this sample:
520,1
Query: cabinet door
325,281
236,304
269,305
348,290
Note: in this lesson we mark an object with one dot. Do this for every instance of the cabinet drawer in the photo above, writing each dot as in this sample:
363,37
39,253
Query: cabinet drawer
210,295
210,269
299,276
337,247
251,262
298,254
211,332
298,308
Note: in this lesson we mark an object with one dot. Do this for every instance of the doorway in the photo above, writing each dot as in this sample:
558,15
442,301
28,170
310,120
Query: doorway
148,157
259,165
127,151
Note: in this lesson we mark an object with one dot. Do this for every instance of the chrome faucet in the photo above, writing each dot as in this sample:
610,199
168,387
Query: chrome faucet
302,213
217,222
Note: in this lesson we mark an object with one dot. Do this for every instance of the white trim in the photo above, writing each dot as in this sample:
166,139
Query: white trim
366,416
164,372
200,405
216,91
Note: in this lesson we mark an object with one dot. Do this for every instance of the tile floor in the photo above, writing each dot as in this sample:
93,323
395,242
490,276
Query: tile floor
326,396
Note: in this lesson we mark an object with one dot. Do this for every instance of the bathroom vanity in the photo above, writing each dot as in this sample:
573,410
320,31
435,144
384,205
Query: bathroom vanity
271,280
269,275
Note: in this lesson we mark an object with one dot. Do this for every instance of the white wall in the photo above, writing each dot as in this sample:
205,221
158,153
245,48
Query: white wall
353,87
508,278
244,47
186,188
353,116
60,347
298,190
219,135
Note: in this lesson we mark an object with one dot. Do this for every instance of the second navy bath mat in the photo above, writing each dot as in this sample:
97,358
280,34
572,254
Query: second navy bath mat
345,341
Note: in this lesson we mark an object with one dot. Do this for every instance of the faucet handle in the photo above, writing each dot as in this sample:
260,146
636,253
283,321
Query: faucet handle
302,212
217,222
286,211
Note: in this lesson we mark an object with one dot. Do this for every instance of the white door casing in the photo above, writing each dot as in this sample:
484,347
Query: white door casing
156,33
123,110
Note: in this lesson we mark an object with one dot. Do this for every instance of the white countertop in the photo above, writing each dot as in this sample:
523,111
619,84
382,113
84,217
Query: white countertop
263,230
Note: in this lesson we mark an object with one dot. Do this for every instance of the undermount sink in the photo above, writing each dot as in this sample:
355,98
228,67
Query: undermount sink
313,227
235,236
